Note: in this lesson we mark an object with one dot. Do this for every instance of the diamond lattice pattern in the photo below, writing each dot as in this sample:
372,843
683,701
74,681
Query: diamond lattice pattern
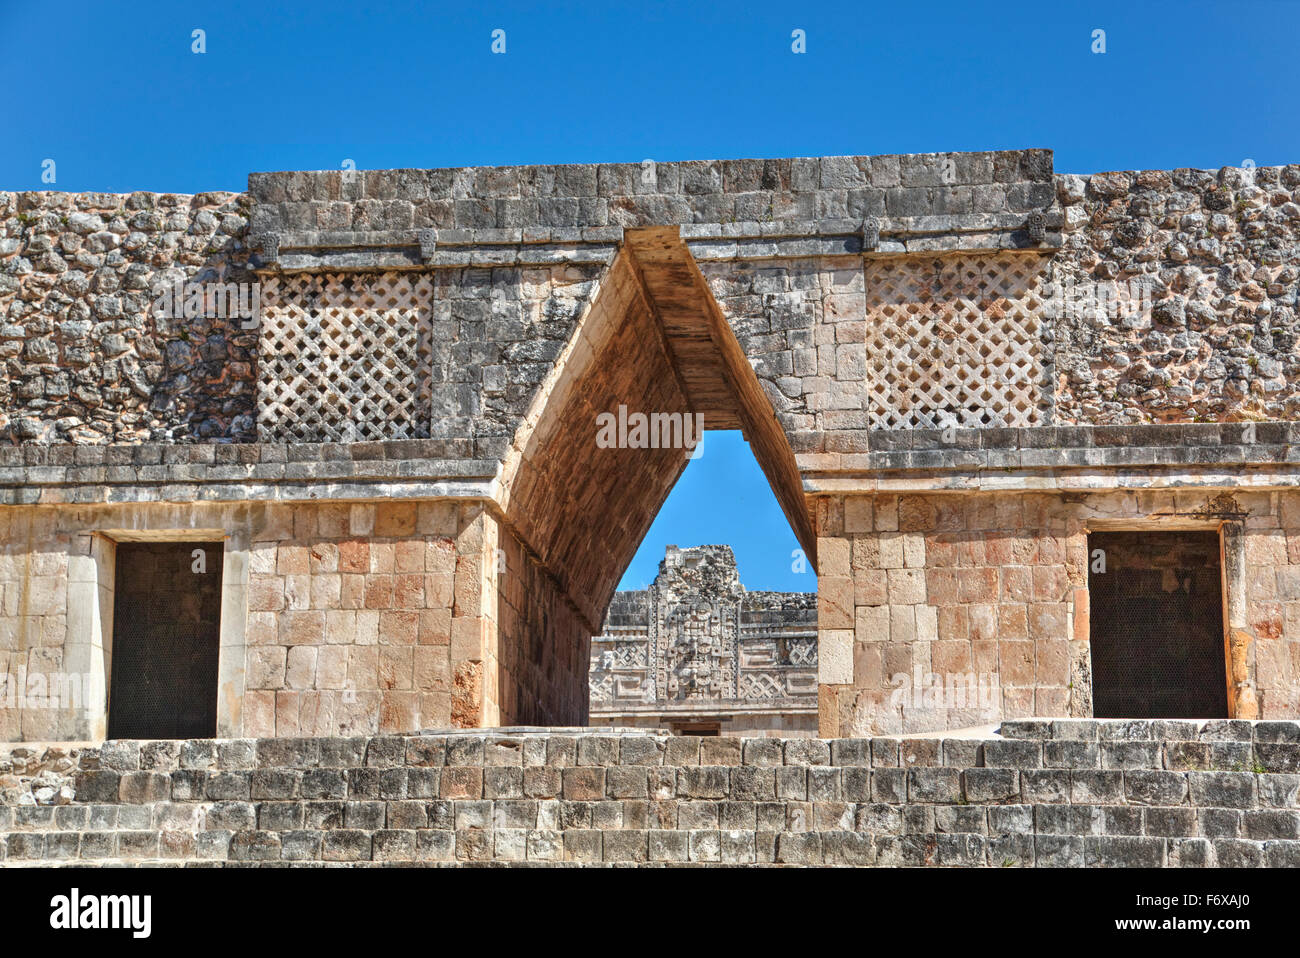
955,342
345,357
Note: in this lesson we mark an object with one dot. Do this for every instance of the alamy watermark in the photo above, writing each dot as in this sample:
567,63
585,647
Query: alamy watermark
656,430
76,911
46,690
952,690
1113,300
182,300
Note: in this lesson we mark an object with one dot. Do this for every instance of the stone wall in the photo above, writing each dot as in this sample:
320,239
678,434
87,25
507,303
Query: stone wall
350,618
542,644
941,588
1064,793
336,619
619,195
514,254
356,618
879,327
82,357
1219,254
803,325
34,573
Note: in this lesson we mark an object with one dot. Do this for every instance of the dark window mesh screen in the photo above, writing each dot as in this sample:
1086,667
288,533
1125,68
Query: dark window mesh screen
166,634
1156,617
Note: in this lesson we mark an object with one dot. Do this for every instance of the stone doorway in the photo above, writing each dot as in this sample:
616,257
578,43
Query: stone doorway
166,640
1157,625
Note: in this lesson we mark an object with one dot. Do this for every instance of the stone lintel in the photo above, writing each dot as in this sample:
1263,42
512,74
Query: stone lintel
308,251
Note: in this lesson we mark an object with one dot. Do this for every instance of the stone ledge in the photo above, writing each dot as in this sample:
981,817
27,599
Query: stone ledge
418,468
1153,730
995,454
690,177
540,746
1233,480
151,454
306,250
1086,436
364,257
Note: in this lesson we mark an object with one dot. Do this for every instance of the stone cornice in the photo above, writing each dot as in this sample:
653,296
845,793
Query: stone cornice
1079,458
408,469
1259,455
310,251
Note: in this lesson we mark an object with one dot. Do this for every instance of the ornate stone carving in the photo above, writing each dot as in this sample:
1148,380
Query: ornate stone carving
870,234
428,244
699,651
1036,227
269,245
697,642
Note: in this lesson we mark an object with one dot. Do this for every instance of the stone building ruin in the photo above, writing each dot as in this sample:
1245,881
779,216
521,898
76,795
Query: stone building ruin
959,373
698,654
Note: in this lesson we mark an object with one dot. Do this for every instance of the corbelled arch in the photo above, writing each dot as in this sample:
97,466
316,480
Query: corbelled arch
652,340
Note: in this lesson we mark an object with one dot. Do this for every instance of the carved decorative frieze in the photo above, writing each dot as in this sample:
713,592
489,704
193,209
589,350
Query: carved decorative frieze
696,640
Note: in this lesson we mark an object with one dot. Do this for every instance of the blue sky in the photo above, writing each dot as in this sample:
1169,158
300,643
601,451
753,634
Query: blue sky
723,496
113,94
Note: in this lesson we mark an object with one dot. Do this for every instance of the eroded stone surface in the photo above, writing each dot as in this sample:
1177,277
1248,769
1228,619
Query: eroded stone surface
1113,794
696,646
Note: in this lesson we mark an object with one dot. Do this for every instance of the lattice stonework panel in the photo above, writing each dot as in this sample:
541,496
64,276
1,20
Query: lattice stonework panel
345,357
955,341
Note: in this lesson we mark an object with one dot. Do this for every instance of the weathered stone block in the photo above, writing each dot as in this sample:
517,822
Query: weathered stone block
666,846
1271,824
1169,822
300,845
1013,754
346,845
586,784
1129,754
98,786
1236,853
1123,852
252,846
279,816
1150,787
1222,789
503,782
961,849
942,785
990,785
802,848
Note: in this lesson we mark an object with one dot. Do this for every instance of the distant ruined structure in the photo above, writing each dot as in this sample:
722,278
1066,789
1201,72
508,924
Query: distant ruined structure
698,654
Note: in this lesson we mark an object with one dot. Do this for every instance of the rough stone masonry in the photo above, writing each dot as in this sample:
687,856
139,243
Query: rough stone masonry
952,368
1065,793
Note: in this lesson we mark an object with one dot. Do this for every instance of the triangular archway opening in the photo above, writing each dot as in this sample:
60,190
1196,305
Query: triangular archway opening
652,341
713,630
